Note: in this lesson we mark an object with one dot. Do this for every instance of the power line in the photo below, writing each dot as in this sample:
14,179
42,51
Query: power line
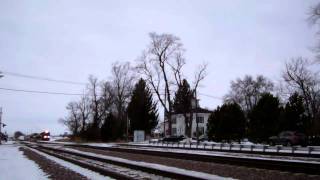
40,92
202,94
41,78
210,96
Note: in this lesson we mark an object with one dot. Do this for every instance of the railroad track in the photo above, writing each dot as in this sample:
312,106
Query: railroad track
294,166
119,168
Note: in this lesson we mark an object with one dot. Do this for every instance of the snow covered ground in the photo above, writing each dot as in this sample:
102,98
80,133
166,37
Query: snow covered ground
75,143
55,138
85,172
15,166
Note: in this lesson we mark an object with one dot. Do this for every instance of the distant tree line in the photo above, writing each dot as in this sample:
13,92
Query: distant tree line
254,108
109,110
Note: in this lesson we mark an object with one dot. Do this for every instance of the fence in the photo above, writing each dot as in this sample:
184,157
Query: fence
310,150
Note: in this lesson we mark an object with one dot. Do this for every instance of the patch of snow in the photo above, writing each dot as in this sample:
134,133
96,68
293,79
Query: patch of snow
15,166
100,144
74,143
188,141
55,138
85,172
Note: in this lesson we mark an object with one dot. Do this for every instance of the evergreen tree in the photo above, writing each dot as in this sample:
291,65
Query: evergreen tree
264,118
294,117
182,104
227,123
142,111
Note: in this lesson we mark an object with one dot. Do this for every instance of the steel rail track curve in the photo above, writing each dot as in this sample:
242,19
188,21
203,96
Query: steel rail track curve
152,170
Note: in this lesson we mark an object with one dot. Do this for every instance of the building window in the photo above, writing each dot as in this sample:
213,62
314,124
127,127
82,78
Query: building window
174,131
174,120
200,119
201,130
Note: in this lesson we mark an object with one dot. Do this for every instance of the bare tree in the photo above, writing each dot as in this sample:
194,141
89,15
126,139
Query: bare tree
247,91
161,65
94,100
106,98
298,77
199,76
93,131
72,121
314,14
314,20
84,110
122,82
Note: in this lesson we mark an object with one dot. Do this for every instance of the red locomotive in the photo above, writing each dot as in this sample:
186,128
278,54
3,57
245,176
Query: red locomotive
45,136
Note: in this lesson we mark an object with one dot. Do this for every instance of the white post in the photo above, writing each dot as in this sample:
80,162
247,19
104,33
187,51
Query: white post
0,124
197,122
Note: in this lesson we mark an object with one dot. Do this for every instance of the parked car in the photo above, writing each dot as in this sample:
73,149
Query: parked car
3,137
173,139
202,138
289,138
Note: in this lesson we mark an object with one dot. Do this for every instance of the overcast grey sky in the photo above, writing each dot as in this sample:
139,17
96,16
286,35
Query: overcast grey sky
71,39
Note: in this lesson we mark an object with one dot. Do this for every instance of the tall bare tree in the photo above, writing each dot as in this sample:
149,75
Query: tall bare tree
73,120
161,65
84,111
122,82
93,90
106,98
94,100
299,77
314,20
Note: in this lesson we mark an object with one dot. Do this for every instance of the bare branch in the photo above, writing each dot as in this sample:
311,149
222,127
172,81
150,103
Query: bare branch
200,74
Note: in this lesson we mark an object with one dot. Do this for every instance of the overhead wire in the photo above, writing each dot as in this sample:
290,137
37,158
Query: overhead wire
39,92
41,78
62,81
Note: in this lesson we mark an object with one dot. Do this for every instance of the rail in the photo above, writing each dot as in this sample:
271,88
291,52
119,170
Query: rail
166,172
295,166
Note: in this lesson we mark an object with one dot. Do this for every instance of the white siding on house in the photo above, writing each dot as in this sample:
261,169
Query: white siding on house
178,125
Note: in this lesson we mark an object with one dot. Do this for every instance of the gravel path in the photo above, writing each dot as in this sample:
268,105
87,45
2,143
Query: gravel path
54,170
238,172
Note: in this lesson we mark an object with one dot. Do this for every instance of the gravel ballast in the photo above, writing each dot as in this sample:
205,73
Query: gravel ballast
54,170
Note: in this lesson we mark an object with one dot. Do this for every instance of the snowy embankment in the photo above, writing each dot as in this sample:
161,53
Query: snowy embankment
14,165
76,143
84,172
